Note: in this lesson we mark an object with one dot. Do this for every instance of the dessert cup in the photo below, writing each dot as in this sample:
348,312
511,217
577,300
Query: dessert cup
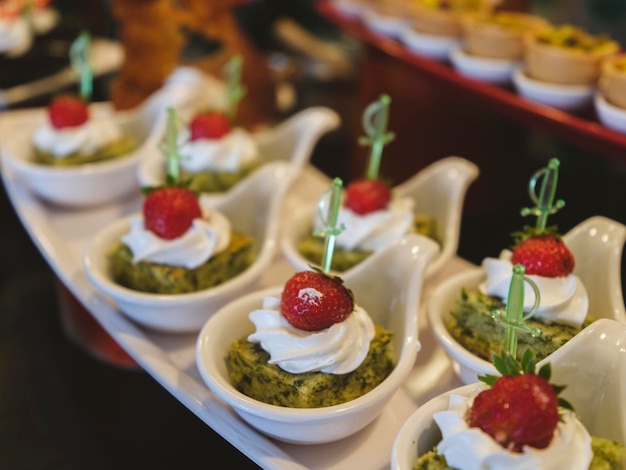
291,141
438,190
609,115
596,243
91,184
565,97
252,209
431,20
563,65
500,35
387,20
498,71
388,287
428,45
613,80
592,366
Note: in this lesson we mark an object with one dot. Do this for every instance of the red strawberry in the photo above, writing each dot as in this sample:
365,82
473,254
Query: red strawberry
209,126
67,111
169,212
313,301
544,255
517,411
367,195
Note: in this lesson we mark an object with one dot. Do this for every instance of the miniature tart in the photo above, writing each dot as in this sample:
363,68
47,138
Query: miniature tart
499,35
566,55
444,17
613,80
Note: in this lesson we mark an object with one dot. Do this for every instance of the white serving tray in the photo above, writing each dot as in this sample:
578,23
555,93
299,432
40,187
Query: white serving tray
62,235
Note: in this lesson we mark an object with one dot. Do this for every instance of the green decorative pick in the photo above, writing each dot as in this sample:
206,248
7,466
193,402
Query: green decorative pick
545,201
169,147
375,120
234,89
79,58
513,321
329,213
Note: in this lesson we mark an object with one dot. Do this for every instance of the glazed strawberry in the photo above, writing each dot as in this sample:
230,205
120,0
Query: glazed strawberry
168,212
367,195
67,111
313,301
209,126
517,411
544,255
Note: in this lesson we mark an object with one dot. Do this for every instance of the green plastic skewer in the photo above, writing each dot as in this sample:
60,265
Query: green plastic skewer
545,202
79,58
235,90
375,121
169,147
330,218
513,321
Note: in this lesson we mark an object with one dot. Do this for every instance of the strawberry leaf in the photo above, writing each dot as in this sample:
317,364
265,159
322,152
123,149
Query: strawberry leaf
528,362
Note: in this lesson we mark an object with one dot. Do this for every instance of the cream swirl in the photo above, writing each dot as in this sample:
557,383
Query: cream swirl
374,230
469,448
85,139
15,36
339,349
235,150
205,238
563,299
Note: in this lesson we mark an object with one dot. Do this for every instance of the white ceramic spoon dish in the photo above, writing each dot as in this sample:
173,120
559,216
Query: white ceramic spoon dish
596,243
388,287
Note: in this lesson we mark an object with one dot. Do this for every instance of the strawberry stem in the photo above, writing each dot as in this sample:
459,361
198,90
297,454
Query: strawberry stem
375,120
545,204
235,90
79,58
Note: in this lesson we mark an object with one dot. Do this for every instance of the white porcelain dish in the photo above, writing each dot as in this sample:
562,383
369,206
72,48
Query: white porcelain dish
428,45
389,287
591,365
596,243
384,24
291,141
95,183
563,97
350,8
252,209
484,69
438,190
610,115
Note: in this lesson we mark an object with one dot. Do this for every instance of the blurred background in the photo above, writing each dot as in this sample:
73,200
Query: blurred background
62,408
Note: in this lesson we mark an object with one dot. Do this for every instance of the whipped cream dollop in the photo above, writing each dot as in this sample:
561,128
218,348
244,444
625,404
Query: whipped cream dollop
228,154
85,139
374,230
339,349
15,36
468,448
562,299
206,237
